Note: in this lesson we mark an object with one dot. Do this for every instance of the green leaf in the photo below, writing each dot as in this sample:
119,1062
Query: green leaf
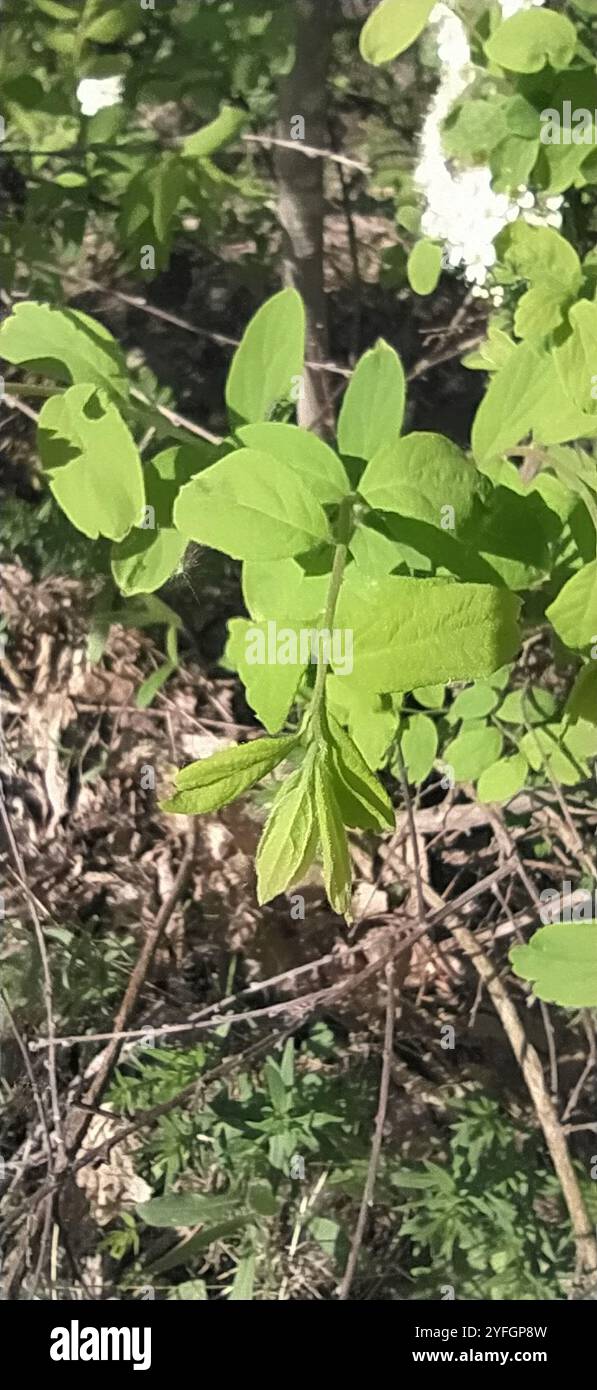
474,128
539,312
577,472
185,1209
392,27
580,739
108,21
244,1280
424,267
503,779
370,717
576,357
530,39
472,751
532,706
288,844
337,874
543,257
270,686
582,700
376,553
150,688
65,345
92,462
251,511
412,632
363,802
261,1198
65,10
185,1252
373,407
287,1063
561,961
268,365
222,131
151,553
426,477
573,613
283,591
278,1091
526,396
430,696
474,703
419,747
148,208
214,782
314,462
543,749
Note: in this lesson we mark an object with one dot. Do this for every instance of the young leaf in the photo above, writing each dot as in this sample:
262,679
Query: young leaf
424,267
288,844
269,362
283,591
214,136
362,800
92,462
370,717
392,27
430,696
419,747
65,345
214,782
575,357
337,874
149,688
582,700
270,686
545,748
474,703
151,553
532,706
472,751
252,508
317,464
503,779
561,961
530,39
373,406
526,395
573,613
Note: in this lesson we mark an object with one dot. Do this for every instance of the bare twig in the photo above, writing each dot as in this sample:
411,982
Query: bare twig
45,965
380,1120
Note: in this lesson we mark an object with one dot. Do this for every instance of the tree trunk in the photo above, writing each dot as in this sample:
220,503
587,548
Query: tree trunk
301,198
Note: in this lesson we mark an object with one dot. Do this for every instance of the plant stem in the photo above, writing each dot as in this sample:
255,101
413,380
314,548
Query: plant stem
25,388
344,530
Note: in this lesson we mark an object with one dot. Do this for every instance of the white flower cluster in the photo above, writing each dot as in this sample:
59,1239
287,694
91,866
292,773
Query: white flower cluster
94,93
462,210
510,7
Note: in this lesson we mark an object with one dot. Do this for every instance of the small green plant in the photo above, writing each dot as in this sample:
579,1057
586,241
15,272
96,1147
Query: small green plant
275,1161
488,1220
267,1159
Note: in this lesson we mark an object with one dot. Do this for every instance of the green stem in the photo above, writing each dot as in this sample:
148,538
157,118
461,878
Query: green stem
344,531
23,388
